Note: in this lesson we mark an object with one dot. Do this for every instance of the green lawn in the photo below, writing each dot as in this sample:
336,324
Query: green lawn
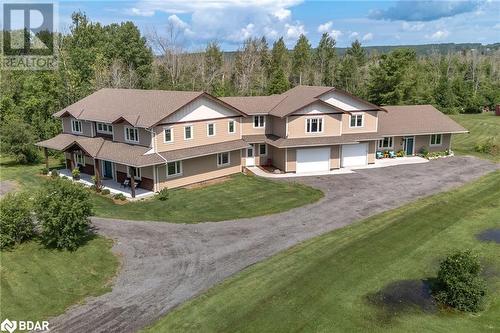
481,127
37,283
323,285
241,196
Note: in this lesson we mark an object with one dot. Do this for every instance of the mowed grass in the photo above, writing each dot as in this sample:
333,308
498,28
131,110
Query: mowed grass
481,127
37,283
239,197
323,285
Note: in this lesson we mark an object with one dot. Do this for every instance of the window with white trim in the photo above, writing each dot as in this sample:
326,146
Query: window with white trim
168,134
210,129
386,142
436,139
79,158
223,159
104,128
259,121
262,149
131,134
76,126
174,168
314,125
136,172
188,132
231,126
356,120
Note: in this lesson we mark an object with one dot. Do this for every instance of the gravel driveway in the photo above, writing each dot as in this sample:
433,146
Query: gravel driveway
166,264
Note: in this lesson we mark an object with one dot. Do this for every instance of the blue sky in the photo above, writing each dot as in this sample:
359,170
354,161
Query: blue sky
231,21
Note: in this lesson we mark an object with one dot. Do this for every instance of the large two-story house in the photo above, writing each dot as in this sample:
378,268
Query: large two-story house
176,138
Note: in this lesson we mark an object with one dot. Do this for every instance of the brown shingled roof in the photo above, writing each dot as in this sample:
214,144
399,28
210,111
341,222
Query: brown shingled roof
184,153
279,142
254,104
415,119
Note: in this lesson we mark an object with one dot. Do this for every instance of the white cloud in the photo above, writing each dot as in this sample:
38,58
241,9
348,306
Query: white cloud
336,34
243,33
418,26
282,14
354,35
497,26
325,27
367,37
294,31
140,12
438,35
177,22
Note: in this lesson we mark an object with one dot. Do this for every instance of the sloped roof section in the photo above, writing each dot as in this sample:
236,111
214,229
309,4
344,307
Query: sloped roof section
254,104
184,153
415,119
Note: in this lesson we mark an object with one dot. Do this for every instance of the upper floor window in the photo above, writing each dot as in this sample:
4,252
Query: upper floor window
188,132
223,159
231,126
104,128
436,139
168,134
76,126
314,125
356,120
211,129
131,134
259,121
385,142
174,168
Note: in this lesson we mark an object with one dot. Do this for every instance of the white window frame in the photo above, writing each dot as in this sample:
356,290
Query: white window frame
73,122
171,134
309,121
208,129
380,144
261,124
440,136
102,130
229,127
355,116
79,158
178,167
139,173
265,149
219,158
127,135
192,132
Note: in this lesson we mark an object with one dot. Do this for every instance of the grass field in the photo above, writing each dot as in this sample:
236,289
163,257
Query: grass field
37,283
325,284
241,196
481,127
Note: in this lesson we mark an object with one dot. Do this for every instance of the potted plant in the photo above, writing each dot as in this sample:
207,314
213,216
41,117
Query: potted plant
75,173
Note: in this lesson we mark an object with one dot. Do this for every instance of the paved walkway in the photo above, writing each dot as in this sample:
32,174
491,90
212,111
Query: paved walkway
166,264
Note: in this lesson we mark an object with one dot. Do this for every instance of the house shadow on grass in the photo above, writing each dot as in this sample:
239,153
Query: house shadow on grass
404,296
490,235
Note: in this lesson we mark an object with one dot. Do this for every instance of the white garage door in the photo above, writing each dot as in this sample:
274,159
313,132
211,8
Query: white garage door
354,155
313,160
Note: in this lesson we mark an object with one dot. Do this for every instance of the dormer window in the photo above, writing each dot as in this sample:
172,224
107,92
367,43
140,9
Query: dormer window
76,126
104,128
131,134
356,120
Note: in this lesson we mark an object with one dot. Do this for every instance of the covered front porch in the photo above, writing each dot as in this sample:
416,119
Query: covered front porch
110,184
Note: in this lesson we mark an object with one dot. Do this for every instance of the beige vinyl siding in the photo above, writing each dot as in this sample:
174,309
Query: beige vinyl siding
147,172
335,157
86,126
119,135
278,126
248,129
199,169
200,136
278,157
372,145
291,159
370,123
297,125
89,160
423,141
121,167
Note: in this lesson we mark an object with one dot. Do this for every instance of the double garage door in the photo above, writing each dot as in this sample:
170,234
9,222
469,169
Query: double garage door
318,159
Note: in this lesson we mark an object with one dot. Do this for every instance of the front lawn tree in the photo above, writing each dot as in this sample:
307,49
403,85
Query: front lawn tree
63,210
16,221
17,138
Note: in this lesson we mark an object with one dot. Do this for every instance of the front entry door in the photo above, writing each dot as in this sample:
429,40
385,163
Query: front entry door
108,169
409,144
250,160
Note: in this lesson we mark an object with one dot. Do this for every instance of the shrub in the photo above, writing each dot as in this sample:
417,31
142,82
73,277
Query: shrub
16,221
63,210
17,138
424,152
488,147
163,194
400,153
120,196
75,173
54,174
44,171
105,191
458,282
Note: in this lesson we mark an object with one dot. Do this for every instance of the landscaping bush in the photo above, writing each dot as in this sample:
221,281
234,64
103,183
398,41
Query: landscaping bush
63,210
17,138
54,174
16,220
105,191
488,147
458,282
75,173
120,196
400,153
44,171
424,152
163,194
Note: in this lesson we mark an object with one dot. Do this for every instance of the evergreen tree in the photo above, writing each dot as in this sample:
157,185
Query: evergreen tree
357,52
301,58
213,68
325,58
279,82
279,56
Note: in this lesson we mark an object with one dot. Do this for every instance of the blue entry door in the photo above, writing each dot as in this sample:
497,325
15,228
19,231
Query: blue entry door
409,143
108,169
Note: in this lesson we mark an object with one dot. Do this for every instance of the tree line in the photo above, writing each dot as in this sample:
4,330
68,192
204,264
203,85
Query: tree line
93,56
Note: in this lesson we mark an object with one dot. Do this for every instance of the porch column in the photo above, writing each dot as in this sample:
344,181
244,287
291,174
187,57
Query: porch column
97,173
132,185
71,162
46,153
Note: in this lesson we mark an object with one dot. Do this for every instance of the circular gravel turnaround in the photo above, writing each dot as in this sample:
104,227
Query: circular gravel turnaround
166,264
